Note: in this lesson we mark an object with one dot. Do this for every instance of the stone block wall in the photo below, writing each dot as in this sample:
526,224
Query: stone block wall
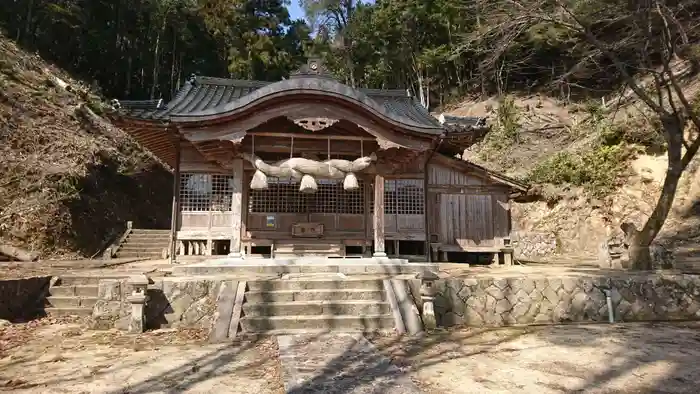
547,300
533,245
173,302
23,299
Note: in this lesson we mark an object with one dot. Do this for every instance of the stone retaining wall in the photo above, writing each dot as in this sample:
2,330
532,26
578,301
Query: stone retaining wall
533,245
173,302
540,300
480,301
23,299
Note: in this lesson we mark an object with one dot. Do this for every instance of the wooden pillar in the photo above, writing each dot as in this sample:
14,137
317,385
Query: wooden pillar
175,213
379,216
236,209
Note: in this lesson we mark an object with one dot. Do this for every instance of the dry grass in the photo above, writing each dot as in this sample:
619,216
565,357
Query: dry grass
57,173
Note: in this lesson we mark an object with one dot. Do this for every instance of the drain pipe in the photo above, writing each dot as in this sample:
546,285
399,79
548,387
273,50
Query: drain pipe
426,181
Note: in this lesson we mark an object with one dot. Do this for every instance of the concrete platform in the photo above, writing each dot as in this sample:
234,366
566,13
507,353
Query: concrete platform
349,266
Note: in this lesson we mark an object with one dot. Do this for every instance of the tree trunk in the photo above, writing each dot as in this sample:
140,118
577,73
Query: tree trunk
28,22
156,53
17,253
639,241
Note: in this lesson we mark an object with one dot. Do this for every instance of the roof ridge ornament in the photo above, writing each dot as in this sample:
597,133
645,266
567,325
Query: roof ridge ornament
314,67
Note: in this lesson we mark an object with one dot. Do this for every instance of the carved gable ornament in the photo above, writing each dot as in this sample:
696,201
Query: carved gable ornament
315,124
313,67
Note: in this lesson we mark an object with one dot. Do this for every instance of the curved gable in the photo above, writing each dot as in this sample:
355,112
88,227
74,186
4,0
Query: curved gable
397,109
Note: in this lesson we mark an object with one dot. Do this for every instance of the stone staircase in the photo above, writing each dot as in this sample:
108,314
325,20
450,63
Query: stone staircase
72,296
305,248
144,243
317,305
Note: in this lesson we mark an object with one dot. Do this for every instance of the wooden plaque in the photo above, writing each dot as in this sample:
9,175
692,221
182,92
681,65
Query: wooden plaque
307,230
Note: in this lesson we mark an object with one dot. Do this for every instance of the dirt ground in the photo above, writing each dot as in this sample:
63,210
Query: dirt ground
620,358
62,357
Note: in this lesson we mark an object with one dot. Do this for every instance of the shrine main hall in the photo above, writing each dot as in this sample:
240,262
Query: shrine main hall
308,166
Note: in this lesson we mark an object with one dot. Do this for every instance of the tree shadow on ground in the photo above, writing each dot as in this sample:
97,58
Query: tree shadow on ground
633,353
479,360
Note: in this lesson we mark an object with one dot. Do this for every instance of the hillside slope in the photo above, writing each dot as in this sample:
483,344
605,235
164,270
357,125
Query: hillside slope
582,216
66,186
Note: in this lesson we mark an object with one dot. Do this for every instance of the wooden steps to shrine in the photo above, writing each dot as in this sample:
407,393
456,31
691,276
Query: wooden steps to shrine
319,305
144,243
303,248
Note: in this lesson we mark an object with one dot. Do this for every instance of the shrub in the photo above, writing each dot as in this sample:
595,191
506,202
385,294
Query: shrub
643,133
598,170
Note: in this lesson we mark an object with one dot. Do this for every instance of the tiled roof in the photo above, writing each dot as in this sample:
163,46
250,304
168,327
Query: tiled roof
463,121
205,97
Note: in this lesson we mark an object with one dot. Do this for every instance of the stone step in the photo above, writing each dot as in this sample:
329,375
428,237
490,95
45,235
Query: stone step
301,247
55,312
71,302
349,307
145,256
367,323
297,255
273,285
146,239
314,295
76,290
139,248
85,280
146,242
150,231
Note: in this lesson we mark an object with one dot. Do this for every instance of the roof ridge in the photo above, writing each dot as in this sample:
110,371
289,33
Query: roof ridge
384,92
243,83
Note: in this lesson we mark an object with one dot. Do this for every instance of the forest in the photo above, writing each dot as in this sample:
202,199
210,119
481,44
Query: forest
440,49
589,57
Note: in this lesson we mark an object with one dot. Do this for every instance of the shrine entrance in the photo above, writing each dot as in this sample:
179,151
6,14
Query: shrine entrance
331,221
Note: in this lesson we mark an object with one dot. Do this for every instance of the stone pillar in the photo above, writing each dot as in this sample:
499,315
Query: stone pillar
236,209
138,299
428,291
378,217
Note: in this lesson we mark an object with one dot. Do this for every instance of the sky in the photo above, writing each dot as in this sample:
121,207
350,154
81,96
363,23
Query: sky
295,11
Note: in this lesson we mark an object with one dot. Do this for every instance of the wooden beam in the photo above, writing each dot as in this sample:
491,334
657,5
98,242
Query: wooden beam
397,135
467,189
176,202
237,208
378,221
313,136
209,168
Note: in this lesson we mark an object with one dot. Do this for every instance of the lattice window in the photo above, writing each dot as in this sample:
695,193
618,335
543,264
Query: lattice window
352,201
283,196
403,197
205,192
325,200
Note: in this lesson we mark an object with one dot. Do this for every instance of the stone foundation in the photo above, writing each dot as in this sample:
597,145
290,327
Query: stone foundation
481,301
23,299
529,300
533,245
172,302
